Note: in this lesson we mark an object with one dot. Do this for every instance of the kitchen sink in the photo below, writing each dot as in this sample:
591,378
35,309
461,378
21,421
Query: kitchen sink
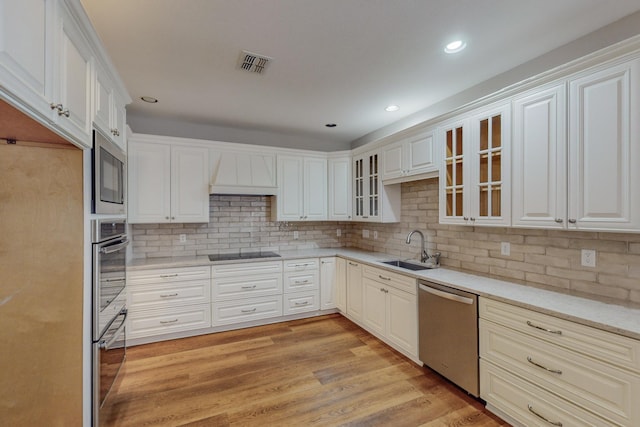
408,265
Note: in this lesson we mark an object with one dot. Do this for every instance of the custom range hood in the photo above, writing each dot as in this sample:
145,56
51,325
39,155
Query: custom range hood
241,172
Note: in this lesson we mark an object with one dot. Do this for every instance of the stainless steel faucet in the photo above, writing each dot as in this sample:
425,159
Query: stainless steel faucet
423,252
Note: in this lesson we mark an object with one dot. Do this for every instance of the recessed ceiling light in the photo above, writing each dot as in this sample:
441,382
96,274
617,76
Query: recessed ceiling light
392,108
331,125
149,99
455,46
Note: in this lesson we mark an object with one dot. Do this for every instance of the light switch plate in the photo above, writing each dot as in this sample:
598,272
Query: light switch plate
505,248
365,234
183,238
375,234
296,235
338,232
588,258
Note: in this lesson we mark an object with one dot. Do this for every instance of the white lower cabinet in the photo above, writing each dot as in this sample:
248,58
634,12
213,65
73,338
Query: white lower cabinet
301,285
163,301
246,291
328,277
341,284
588,370
354,290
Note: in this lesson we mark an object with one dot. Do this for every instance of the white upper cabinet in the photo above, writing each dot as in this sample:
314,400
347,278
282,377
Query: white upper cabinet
340,188
604,149
411,159
539,158
475,178
302,188
371,200
242,172
167,183
26,63
108,109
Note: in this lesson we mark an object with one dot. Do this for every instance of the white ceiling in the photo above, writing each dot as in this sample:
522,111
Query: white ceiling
334,61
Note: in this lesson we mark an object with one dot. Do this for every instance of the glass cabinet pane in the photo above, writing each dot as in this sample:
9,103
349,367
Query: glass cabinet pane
449,144
496,131
496,166
484,134
459,202
449,172
496,198
484,168
483,201
459,141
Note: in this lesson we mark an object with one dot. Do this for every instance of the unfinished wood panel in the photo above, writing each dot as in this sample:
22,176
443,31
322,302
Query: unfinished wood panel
323,371
41,277
14,124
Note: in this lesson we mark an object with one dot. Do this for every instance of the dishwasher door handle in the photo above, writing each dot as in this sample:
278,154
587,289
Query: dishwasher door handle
447,295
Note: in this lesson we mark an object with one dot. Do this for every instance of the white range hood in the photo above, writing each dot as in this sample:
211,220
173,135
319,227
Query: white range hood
237,172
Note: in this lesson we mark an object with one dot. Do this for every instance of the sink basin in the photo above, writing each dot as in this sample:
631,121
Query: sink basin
408,265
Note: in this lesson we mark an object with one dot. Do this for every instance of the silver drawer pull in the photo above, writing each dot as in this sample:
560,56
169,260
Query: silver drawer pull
553,423
165,276
169,295
300,282
164,322
298,304
353,263
553,371
301,265
114,280
384,278
251,310
248,287
386,291
544,329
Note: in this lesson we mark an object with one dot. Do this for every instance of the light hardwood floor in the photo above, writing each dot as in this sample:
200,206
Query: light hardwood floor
323,371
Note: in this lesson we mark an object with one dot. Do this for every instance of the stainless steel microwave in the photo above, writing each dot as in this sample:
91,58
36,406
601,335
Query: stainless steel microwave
109,169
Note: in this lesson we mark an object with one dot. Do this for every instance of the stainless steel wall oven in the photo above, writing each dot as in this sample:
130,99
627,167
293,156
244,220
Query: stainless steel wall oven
109,307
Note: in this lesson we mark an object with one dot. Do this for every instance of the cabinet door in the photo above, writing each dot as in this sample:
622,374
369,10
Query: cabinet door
490,178
402,320
119,122
374,310
393,161
327,283
102,102
189,184
26,29
539,159
340,189
604,149
420,154
373,184
453,174
290,188
315,189
74,80
149,187
341,284
354,290
358,188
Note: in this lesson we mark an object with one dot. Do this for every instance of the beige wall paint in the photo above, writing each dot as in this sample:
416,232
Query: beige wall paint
544,258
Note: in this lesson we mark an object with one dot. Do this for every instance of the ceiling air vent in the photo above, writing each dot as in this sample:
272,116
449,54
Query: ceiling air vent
252,62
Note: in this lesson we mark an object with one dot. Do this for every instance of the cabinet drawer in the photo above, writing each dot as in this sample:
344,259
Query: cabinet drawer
158,322
144,297
522,401
612,348
301,281
167,275
301,302
597,386
228,312
242,269
229,288
398,281
299,265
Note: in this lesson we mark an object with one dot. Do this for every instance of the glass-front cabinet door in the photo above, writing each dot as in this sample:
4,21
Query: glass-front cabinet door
367,187
453,176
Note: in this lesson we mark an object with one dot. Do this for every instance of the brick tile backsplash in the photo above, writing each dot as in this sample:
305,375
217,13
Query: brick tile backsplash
544,258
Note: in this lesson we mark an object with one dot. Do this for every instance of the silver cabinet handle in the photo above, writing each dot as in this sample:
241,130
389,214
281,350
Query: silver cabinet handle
572,221
544,329
472,219
55,106
553,371
248,287
169,295
465,218
164,322
559,220
553,423
353,263
166,217
386,291
384,278
64,113
446,295
166,276
251,310
302,265
114,280
298,304
300,282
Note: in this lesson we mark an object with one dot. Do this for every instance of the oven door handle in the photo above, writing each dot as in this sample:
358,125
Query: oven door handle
114,248
106,344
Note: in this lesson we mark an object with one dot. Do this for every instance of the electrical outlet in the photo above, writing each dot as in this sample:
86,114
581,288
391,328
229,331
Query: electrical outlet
588,258
338,232
375,234
183,238
505,248
365,234
296,235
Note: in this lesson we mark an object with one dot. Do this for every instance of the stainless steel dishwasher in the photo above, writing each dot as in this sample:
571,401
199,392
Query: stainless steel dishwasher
448,333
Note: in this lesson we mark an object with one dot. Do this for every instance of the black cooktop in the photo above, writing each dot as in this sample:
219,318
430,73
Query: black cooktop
243,255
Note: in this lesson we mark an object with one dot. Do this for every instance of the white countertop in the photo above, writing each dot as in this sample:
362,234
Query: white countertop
611,317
